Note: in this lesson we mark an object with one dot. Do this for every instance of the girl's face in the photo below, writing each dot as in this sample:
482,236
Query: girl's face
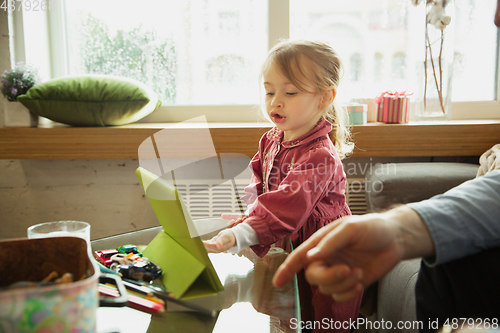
293,111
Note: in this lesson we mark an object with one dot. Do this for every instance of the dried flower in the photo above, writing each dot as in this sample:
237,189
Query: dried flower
17,81
436,14
436,17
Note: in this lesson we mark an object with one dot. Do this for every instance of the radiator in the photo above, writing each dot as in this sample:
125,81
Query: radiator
355,195
212,199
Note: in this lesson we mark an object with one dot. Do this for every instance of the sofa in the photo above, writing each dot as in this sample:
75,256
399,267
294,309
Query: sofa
392,298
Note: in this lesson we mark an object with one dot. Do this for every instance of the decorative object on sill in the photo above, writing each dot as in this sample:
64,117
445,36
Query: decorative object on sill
392,107
433,102
371,113
357,113
16,82
17,115
92,100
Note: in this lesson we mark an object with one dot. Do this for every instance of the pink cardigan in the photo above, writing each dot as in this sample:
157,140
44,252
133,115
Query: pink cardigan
297,187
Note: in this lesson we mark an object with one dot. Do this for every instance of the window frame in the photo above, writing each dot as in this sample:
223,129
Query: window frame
55,64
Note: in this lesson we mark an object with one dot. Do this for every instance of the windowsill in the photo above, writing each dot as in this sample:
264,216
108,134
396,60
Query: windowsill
454,138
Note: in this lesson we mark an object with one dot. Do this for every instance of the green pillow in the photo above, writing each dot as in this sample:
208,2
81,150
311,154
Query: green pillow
91,100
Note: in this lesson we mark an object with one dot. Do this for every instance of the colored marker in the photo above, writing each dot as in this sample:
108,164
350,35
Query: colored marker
134,301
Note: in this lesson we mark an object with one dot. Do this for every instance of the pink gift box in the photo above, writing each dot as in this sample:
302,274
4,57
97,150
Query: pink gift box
392,107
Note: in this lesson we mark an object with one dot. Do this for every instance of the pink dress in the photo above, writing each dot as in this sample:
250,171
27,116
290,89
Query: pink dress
297,187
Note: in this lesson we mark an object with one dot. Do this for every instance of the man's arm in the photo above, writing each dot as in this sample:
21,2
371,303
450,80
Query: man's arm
465,220
357,250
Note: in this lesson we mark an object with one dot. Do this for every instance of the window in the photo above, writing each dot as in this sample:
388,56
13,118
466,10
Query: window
399,67
203,57
190,52
355,67
373,31
378,64
476,51
229,23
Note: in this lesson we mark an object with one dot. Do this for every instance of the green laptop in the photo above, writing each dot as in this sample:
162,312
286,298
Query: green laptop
187,270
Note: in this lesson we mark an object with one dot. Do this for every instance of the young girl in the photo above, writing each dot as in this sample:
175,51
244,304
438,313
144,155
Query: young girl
298,182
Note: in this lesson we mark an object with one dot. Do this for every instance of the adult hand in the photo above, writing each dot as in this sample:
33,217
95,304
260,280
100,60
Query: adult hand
356,251
222,242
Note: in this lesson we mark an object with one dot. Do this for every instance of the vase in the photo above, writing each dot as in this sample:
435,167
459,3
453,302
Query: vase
433,100
16,114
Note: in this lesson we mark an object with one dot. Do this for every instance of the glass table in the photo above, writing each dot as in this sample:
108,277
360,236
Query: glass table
249,302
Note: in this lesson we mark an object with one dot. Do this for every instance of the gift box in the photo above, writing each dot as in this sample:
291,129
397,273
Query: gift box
392,107
357,113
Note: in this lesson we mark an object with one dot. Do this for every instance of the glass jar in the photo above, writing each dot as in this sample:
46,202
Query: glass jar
433,99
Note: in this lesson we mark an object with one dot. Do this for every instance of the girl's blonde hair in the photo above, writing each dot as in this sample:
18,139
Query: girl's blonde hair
316,65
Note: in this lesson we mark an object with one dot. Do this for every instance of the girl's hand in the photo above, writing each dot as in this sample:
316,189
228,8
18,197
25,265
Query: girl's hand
220,243
234,219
